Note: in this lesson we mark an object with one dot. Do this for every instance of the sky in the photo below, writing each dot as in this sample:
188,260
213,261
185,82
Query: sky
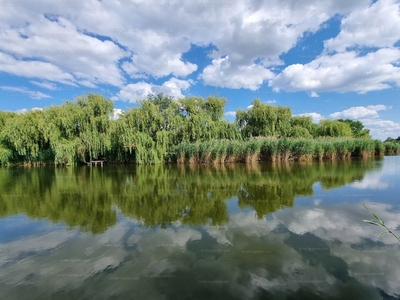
323,58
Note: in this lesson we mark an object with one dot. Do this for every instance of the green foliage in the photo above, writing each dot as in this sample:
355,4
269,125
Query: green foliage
335,129
389,139
379,222
391,147
299,132
162,129
264,120
303,127
379,148
357,128
161,195
269,148
303,147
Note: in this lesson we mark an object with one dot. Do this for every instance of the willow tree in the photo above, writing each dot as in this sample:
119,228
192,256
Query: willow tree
149,132
64,126
5,147
303,126
95,124
24,136
334,128
80,130
263,120
357,128
203,120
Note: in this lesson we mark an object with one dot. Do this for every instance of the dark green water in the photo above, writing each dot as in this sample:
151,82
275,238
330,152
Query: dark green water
263,231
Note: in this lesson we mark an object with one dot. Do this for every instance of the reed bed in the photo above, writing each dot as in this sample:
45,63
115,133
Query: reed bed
273,149
392,147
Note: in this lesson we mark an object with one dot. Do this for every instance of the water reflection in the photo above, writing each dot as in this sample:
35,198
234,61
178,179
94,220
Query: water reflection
316,251
162,195
247,258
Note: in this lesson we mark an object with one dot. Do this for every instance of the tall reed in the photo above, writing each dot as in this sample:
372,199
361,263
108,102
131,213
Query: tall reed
273,149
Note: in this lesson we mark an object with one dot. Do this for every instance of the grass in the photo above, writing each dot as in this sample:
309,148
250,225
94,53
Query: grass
379,222
273,149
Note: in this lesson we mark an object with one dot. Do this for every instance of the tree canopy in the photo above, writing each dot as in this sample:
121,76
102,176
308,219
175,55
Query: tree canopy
357,128
84,130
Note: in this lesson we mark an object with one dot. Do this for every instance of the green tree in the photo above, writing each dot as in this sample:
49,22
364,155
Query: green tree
302,126
357,128
264,120
335,128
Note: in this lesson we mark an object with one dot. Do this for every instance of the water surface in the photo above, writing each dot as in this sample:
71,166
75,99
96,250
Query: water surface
260,231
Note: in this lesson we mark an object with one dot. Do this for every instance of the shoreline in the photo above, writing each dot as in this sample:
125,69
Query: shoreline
193,161
224,151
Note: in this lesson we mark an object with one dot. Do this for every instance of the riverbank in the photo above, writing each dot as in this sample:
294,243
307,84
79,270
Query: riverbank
264,149
272,149
190,130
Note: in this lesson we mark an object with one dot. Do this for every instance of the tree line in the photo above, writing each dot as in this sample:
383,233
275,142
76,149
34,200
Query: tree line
83,130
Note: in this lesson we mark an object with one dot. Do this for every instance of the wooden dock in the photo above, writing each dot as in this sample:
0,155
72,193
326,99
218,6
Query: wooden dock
95,162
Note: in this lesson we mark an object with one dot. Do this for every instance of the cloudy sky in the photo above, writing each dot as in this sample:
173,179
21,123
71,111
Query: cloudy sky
324,58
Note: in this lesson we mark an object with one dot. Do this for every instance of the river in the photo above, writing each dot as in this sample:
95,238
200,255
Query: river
241,231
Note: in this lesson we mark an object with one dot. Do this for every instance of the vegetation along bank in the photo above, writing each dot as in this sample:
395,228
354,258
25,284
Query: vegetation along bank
189,130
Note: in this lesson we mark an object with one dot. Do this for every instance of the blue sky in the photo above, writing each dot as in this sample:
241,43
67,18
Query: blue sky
323,58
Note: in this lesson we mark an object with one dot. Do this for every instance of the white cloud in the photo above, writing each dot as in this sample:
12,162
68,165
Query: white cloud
374,26
45,85
316,117
34,69
230,113
342,72
359,112
270,101
382,129
25,91
137,91
371,182
61,38
134,92
25,110
379,129
378,107
314,95
59,43
116,113
165,64
223,73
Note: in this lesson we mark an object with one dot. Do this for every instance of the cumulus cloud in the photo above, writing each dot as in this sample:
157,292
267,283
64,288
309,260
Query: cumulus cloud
382,129
270,101
230,113
25,110
162,66
34,69
316,117
58,43
223,73
137,91
375,26
61,39
116,113
369,116
359,112
342,72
